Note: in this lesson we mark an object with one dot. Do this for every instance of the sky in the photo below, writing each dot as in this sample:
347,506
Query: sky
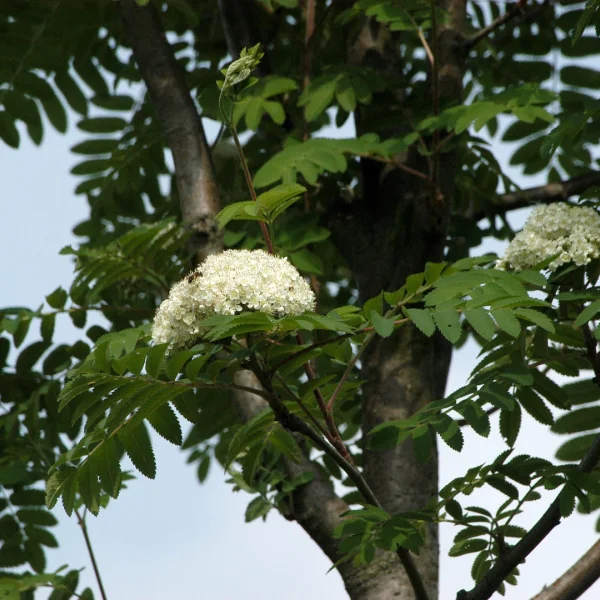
174,538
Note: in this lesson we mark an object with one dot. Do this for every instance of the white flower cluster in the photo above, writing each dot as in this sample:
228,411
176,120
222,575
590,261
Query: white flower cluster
226,284
572,232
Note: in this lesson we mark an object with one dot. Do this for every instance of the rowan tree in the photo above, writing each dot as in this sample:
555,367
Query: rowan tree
286,304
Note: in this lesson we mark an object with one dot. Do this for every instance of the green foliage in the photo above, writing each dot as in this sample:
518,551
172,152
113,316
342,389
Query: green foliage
268,206
73,412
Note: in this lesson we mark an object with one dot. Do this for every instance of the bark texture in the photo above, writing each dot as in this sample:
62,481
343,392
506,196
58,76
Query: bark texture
182,126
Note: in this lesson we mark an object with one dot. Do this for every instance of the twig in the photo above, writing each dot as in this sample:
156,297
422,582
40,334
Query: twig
435,92
517,8
88,544
351,365
396,163
309,15
305,410
326,342
422,39
576,580
543,194
248,177
293,423
336,438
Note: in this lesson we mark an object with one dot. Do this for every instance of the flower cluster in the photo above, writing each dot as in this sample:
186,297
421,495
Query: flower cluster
226,284
572,232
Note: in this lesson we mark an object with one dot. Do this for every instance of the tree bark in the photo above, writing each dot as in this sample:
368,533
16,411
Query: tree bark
399,225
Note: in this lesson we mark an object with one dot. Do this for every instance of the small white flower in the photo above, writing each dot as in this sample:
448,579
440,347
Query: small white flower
226,284
572,232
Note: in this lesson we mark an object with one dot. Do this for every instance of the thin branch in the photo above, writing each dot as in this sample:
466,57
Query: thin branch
294,423
511,13
543,194
336,438
249,184
516,555
576,580
88,544
400,165
346,374
435,92
309,16
182,126
305,410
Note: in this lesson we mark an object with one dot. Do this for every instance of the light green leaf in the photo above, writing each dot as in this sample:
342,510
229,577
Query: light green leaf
422,318
448,322
383,326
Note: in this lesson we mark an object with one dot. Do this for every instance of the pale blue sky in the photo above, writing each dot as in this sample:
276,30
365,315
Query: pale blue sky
171,537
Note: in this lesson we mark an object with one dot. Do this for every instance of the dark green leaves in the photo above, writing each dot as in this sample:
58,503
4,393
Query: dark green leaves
136,442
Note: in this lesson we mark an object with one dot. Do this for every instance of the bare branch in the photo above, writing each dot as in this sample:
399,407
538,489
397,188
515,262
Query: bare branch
516,555
543,194
511,13
577,579
180,121
90,550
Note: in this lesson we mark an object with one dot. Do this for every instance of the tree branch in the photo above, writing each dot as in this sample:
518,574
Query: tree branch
511,13
184,133
88,545
543,194
516,555
577,579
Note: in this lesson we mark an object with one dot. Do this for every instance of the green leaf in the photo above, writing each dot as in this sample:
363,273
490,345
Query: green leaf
422,318
576,421
259,507
8,130
575,449
89,486
534,405
33,516
506,320
481,322
136,442
102,125
307,261
382,325
286,444
43,91
58,484
243,211
166,424
535,317
107,462
550,390
448,322
116,102
318,96
589,312
252,432
96,146
450,432
423,442
510,424
467,547
503,486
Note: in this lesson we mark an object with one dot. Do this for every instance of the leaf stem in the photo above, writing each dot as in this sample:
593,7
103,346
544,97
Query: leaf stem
88,544
248,177
351,365
294,423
